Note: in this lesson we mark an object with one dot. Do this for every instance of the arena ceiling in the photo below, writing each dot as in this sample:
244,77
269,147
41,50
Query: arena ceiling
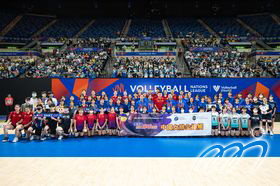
143,8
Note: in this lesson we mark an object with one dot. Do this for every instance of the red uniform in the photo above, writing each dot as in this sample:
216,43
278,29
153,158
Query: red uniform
165,97
159,102
114,98
112,120
174,96
80,120
101,119
123,98
27,118
9,101
15,117
91,118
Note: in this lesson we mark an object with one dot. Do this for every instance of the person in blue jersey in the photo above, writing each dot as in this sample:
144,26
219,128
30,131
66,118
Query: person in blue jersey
140,104
202,104
192,104
220,96
209,104
71,99
266,113
248,106
197,99
35,131
170,103
250,97
219,106
93,106
102,105
163,110
240,97
215,99
110,105
215,121
245,122
228,104
98,98
224,122
237,105
273,105
230,97
133,103
181,103
118,105
126,106
89,99
234,123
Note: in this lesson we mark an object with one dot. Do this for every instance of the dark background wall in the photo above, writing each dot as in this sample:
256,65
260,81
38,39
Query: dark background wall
21,88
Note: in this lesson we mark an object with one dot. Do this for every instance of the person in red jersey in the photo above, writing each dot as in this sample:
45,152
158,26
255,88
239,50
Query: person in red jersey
15,118
155,95
159,102
27,117
174,96
125,96
80,123
165,95
112,122
91,120
101,123
9,102
115,97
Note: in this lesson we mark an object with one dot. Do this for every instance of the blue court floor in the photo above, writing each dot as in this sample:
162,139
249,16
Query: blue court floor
132,147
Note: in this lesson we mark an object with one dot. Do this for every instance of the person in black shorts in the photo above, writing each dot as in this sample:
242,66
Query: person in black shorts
52,121
63,125
256,123
273,105
266,112
35,131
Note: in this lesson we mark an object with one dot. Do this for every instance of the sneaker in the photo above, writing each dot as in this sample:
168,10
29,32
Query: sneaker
5,139
43,138
60,137
15,140
271,133
31,138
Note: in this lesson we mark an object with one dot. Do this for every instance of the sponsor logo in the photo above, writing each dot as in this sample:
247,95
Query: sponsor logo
216,87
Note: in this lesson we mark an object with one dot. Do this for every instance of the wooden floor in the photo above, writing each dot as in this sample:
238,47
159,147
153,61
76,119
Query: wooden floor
134,171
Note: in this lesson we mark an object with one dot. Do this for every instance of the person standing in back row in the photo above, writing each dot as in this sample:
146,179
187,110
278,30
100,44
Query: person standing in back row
9,102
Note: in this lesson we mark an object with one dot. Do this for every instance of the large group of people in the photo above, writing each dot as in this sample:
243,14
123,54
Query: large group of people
271,65
70,64
45,116
226,63
12,67
145,67
193,40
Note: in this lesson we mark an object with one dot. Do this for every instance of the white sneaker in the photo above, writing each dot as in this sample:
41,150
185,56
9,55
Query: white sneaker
31,138
60,137
271,133
43,138
15,140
